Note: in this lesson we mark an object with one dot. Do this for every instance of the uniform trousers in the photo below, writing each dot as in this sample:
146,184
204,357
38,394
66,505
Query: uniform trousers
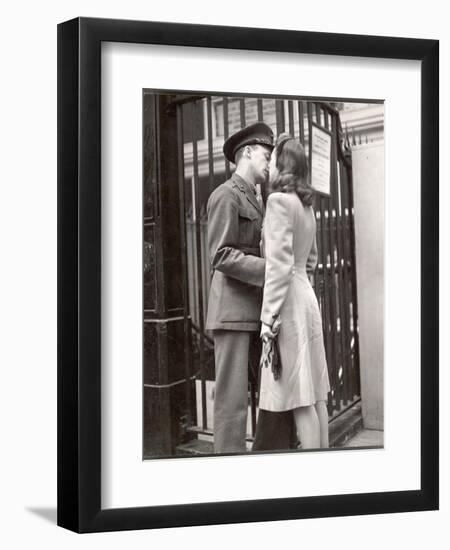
231,351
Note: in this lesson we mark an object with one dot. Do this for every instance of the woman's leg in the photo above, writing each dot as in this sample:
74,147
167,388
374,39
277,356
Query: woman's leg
308,427
322,413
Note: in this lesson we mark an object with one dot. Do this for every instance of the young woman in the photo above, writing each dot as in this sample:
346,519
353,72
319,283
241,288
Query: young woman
289,244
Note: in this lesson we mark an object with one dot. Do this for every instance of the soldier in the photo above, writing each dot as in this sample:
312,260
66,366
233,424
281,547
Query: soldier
234,232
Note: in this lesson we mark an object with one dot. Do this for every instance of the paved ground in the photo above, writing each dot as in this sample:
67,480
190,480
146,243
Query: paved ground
366,438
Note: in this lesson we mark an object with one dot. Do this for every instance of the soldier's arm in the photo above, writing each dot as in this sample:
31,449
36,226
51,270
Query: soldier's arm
223,239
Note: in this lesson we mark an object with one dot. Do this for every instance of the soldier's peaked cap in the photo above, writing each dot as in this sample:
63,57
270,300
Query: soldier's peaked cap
255,134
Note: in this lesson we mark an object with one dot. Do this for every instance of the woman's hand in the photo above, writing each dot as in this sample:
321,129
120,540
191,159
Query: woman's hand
266,333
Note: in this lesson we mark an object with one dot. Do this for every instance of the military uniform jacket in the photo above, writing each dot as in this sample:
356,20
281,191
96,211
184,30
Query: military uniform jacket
234,234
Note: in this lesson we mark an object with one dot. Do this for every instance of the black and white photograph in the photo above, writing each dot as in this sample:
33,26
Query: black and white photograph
263,273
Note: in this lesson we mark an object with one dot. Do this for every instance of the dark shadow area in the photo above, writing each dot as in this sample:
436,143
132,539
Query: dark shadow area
48,514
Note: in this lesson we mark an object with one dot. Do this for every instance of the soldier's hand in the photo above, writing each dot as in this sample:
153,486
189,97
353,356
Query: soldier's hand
266,333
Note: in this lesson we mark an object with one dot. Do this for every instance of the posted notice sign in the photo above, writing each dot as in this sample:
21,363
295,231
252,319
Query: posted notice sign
320,160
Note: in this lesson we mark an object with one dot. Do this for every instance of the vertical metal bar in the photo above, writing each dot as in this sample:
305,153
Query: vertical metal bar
324,279
253,407
205,262
330,122
340,302
321,292
301,122
190,229
291,117
334,265
210,144
353,276
185,291
225,134
204,252
333,289
259,103
332,280
279,116
336,319
345,304
331,296
349,269
318,120
194,305
325,120
352,284
345,232
194,107
242,111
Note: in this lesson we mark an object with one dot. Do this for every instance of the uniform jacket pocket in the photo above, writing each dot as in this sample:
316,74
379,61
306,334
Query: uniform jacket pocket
248,226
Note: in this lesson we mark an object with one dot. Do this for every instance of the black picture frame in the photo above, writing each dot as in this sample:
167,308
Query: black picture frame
79,274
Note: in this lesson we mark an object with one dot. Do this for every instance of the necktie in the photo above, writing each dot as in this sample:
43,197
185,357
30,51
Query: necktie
258,196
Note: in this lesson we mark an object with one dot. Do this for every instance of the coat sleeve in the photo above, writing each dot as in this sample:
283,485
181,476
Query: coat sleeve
223,241
278,237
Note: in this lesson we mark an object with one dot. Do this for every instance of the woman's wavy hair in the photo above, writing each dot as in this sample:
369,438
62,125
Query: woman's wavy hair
293,169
